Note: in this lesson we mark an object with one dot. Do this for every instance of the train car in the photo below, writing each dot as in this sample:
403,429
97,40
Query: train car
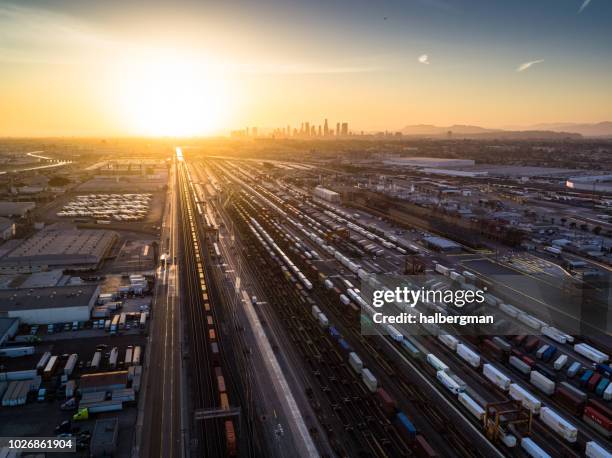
532,449
492,350
571,398
468,355
593,382
584,379
386,402
406,427
531,343
598,420
558,424
220,380
422,448
231,448
604,369
601,387
518,340
411,349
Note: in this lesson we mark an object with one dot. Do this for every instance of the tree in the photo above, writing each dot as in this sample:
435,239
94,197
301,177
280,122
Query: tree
596,230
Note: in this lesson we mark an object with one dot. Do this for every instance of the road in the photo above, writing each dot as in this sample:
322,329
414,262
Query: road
161,423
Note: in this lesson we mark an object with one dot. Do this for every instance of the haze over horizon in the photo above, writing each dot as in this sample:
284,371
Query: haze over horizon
110,69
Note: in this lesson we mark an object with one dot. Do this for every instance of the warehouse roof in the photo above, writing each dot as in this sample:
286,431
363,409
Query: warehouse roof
8,208
61,247
37,298
441,242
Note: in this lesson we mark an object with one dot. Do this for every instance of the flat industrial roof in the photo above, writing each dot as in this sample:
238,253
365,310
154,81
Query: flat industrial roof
37,298
61,247
442,242
5,324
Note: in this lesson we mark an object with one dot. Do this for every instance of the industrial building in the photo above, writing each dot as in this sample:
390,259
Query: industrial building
7,228
443,245
432,162
8,329
16,209
46,279
326,194
104,437
49,305
59,248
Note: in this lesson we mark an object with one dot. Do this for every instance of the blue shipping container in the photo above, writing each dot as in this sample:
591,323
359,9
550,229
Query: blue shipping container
585,377
601,386
412,350
549,353
344,345
406,425
606,370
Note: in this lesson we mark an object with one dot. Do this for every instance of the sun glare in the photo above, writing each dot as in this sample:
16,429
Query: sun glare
172,96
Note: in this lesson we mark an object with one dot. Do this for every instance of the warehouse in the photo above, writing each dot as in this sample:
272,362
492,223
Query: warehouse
7,228
443,245
59,248
49,305
326,194
8,329
104,437
437,162
16,209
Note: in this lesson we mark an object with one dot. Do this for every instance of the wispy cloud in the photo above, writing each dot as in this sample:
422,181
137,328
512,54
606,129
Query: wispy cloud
584,5
424,59
525,65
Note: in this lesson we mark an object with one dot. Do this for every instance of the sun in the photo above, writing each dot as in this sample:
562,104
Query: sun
170,95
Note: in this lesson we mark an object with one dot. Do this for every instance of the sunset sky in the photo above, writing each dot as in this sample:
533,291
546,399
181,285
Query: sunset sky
199,68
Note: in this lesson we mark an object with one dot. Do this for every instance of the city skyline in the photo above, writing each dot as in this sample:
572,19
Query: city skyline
204,69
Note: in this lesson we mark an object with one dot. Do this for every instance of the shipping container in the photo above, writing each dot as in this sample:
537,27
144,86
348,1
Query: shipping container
594,450
369,380
496,377
558,424
541,382
531,343
448,382
593,382
598,420
591,353
520,365
355,362
406,427
571,398
573,369
386,402
560,362
532,449
528,400
472,406
448,340
436,363
468,355
601,386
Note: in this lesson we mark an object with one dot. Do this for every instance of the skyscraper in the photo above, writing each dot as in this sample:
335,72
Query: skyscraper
325,128
344,129
337,128
319,134
307,128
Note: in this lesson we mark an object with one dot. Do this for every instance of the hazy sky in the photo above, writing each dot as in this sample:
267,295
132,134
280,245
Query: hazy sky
121,67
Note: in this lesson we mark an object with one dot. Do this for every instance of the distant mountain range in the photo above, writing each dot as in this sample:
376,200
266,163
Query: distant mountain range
543,131
600,129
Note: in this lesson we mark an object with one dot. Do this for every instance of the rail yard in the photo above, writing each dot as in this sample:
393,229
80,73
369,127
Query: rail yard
268,265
